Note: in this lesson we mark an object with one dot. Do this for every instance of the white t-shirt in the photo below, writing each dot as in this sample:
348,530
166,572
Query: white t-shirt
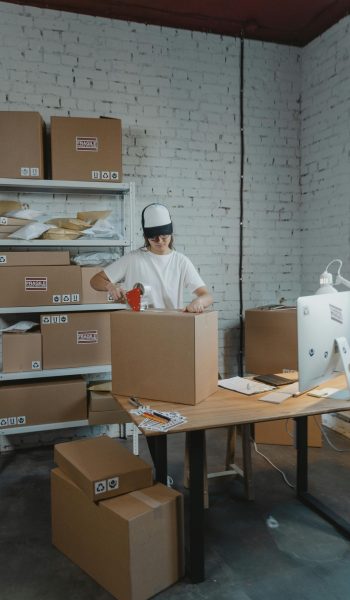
166,274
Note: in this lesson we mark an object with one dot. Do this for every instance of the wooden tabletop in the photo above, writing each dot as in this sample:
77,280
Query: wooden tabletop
225,407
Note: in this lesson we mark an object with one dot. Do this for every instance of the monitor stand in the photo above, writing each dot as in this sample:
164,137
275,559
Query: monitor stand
344,351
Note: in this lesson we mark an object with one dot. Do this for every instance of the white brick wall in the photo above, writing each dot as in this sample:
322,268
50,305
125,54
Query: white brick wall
177,93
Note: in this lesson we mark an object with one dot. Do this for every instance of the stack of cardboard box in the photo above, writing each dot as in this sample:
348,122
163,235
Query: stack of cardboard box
109,518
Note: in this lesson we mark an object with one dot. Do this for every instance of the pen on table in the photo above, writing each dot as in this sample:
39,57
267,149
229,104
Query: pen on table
135,402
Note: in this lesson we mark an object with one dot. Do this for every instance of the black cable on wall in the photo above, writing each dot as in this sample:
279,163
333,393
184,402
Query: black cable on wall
241,213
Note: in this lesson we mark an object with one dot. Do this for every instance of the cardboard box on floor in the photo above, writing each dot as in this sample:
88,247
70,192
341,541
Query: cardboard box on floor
40,285
132,545
45,401
86,149
102,467
75,339
88,294
21,352
165,355
32,259
282,432
21,145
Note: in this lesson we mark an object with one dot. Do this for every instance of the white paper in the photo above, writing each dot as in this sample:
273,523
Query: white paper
276,397
244,385
21,327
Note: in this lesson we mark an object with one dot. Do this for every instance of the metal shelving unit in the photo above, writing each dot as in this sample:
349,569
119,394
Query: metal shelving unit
75,189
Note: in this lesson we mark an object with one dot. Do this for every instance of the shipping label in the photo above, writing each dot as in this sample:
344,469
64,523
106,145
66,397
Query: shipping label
86,144
87,337
33,284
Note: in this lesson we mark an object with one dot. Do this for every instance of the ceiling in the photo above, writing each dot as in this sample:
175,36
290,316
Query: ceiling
294,22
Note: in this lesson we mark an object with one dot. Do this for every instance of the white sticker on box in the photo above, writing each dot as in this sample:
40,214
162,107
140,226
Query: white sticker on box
21,420
46,320
114,175
36,365
55,319
32,284
75,297
113,483
56,299
3,259
95,175
86,144
105,174
3,221
34,172
63,319
12,420
25,171
89,336
66,298
100,487
4,422
110,297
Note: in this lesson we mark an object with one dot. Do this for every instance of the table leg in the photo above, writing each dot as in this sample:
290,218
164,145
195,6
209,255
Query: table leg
196,448
157,445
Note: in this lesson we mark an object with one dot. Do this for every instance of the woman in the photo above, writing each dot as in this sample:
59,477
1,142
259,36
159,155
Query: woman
157,265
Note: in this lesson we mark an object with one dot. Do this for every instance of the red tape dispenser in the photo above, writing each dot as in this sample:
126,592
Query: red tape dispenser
134,296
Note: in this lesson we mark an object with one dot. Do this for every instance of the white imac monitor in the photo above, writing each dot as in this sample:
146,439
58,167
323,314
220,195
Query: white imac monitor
323,340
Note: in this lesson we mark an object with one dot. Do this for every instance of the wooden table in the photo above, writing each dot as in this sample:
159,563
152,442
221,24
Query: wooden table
222,409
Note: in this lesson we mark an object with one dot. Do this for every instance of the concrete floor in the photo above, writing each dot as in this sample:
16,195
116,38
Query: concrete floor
301,557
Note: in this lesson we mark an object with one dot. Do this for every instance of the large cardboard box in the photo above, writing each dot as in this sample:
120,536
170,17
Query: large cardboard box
46,401
131,545
282,432
21,352
270,340
40,286
32,259
102,467
165,355
88,294
75,339
86,149
21,145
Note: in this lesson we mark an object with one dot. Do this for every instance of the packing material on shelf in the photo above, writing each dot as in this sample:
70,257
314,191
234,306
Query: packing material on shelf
270,339
86,149
42,402
88,294
102,467
103,409
132,545
21,145
21,352
76,339
40,285
182,365
28,258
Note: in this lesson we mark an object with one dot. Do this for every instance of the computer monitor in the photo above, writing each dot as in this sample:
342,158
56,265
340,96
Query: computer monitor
323,340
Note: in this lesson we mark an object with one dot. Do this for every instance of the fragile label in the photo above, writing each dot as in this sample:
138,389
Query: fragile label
87,337
86,144
35,284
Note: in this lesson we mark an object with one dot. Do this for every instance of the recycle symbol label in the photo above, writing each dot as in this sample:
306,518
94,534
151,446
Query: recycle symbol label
100,487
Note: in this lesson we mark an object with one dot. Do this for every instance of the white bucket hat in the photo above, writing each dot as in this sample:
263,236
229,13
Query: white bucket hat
156,220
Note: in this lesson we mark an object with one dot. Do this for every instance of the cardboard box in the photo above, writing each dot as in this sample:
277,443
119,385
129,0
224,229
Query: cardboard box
131,545
32,259
282,432
102,467
103,409
40,286
21,145
76,339
165,355
46,401
21,352
88,294
270,340
86,149
102,401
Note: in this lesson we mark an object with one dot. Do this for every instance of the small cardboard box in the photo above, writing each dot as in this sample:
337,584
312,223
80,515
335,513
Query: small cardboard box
102,401
21,352
282,432
21,145
88,294
103,409
165,355
131,545
33,259
270,340
46,401
40,286
76,339
86,149
102,467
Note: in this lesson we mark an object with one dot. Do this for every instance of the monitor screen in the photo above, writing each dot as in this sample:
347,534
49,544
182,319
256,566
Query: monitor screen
322,319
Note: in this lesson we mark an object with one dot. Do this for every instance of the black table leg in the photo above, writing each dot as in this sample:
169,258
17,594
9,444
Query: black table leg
196,448
157,445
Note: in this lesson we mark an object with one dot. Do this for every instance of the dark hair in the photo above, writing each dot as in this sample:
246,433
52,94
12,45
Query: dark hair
148,245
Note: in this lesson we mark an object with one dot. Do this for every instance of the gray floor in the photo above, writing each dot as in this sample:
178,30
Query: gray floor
272,548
